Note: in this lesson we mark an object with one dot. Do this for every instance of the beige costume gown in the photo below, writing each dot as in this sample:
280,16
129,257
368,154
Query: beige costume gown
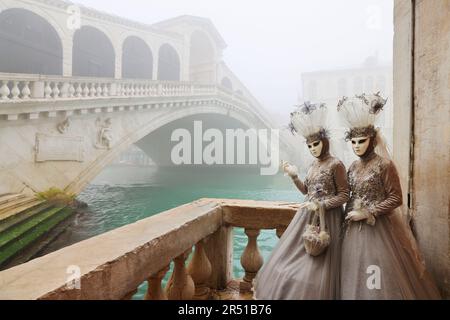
290,272
381,261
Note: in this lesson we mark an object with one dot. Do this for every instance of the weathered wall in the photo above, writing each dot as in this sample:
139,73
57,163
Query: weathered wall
431,166
422,100
402,90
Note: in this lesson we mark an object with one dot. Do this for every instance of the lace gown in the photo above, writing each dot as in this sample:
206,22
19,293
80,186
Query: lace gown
381,261
290,272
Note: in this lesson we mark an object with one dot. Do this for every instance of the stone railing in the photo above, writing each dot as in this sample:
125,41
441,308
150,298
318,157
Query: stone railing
33,96
114,264
23,87
24,96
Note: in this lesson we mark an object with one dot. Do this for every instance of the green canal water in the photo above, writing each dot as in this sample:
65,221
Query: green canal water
123,194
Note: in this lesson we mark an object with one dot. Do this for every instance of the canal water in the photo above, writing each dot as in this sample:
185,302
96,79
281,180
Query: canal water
124,194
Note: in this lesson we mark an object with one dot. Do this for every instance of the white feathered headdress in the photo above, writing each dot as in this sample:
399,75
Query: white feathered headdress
309,120
360,113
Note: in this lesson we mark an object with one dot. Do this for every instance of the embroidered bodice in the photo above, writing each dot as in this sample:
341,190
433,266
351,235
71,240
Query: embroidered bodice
326,181
374,180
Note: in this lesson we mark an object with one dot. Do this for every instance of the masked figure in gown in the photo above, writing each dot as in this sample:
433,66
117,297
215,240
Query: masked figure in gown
380,257
291,272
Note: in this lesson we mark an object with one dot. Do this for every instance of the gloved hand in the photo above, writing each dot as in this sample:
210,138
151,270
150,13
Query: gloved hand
289,169
359,215
310,205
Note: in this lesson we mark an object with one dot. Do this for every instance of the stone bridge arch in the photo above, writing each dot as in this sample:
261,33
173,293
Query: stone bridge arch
147,124
29,43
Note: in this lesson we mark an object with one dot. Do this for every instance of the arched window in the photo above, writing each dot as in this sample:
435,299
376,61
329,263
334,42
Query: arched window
168,63
137,59
29,44
93,54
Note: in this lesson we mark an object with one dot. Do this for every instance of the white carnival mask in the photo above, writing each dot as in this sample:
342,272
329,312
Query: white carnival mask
360,145
315,148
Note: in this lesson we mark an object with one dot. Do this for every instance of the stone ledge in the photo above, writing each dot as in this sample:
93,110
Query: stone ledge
115,263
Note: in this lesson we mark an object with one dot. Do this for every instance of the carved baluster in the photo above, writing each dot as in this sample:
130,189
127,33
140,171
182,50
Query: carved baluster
64,90
251,259
138,89
200,270
47,90
105,90
26,92
4,90
71,89
180,285
85,89
154,289
15,92
92,90
55,90
99,90
280,231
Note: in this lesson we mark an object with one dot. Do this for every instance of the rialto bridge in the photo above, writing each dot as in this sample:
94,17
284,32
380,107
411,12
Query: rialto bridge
78,87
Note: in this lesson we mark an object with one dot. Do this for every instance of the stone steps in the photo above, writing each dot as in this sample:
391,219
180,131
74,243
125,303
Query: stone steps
13,207
37,248
10,197
21,214
17,237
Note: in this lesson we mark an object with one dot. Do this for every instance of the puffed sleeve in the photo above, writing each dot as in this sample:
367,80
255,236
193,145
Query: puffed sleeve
342,188
300,185
393,191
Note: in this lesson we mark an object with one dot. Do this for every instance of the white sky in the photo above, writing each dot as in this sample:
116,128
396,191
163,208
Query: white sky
270,43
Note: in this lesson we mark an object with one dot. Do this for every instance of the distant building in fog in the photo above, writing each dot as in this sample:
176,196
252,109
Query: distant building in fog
330,85
133,156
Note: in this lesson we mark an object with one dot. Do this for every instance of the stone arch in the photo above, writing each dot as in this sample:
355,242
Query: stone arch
93,53
226,82
168,63
29,43
201,57
156,122
137,59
